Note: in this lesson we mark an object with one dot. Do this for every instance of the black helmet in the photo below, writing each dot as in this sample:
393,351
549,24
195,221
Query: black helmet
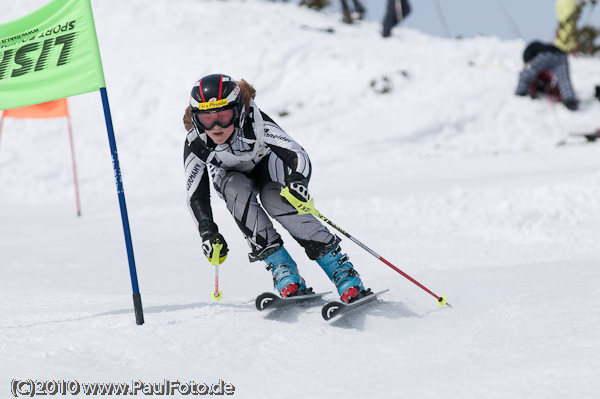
210,97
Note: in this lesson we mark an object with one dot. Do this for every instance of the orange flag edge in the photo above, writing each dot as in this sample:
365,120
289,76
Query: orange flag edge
50,109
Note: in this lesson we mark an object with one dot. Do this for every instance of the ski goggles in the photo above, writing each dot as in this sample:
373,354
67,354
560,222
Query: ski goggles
223,118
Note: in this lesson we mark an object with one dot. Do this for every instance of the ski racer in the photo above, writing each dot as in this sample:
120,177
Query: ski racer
247,155
546,66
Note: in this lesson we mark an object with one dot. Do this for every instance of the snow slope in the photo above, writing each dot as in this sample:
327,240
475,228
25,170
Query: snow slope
448,175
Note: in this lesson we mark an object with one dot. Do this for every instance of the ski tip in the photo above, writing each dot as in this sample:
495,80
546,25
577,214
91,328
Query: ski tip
263,300
331,309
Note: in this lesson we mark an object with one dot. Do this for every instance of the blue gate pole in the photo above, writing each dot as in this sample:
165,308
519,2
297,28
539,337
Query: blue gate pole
137,299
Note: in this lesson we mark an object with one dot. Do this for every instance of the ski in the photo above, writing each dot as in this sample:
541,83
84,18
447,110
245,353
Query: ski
318,29
589,136
269,300
337,308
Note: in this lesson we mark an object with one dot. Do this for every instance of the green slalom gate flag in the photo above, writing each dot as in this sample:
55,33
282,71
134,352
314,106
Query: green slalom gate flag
49,54
53,53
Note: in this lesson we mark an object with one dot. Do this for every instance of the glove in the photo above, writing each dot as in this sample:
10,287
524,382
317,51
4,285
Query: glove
215,248
300,191
296,194
297,185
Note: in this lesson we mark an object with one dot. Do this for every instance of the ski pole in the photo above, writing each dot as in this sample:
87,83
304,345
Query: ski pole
442,17
309,208
215,260
216,295
510,19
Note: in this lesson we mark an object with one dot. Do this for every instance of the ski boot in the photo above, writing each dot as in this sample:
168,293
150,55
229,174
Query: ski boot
286,279
342,273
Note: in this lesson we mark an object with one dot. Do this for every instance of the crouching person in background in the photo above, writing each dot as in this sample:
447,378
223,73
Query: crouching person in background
546,73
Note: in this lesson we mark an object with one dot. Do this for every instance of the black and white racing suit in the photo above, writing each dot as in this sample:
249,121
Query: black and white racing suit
257,160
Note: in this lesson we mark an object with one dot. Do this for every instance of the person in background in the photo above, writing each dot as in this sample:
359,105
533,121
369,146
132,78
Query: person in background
359,9
247,155
568,13
546,71
395,13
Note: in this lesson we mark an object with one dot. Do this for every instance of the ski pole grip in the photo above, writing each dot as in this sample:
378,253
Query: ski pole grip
216,258
302,207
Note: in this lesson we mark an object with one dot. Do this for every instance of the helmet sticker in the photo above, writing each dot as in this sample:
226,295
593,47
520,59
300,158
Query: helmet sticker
235,94
213,104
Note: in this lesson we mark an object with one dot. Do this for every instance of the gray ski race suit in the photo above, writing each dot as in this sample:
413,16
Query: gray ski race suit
257,161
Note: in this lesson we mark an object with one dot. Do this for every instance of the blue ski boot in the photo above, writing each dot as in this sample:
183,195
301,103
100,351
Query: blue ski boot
342,273
286,279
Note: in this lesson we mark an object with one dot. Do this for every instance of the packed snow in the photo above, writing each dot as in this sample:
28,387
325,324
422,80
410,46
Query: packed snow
420,150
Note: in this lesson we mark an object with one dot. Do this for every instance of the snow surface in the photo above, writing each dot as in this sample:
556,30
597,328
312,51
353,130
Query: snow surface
449,176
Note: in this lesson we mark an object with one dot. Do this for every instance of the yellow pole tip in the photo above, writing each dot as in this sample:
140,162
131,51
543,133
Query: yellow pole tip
442,300
216,296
